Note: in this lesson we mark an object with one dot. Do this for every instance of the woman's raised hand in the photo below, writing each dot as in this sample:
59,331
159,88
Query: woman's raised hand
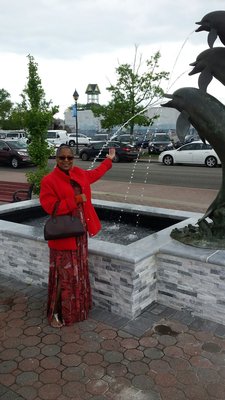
112,153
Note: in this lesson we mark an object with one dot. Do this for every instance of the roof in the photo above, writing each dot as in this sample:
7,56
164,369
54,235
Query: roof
92,88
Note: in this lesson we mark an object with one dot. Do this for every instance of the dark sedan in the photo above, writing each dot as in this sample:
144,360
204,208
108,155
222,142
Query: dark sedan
142,143
98,150
14,153
160,142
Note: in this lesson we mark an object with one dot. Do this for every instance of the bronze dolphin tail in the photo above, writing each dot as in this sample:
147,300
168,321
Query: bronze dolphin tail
210,63
207,116
214,23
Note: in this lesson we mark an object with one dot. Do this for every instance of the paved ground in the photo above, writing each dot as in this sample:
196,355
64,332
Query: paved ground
178,198
163,354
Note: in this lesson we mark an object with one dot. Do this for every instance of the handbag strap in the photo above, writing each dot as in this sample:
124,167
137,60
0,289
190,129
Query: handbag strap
74,213
55,208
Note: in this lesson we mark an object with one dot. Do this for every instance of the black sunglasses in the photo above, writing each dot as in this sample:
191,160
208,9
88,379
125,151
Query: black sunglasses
63,158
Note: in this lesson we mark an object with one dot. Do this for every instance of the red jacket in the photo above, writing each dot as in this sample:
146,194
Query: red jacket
56,186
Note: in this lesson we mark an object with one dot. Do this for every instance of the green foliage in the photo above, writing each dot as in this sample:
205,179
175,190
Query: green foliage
5,107
132,93
36,115
14,121
36,177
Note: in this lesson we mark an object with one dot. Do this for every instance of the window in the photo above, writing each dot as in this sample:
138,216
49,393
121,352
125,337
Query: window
98,146
16,144
2,145
126,138
112,144
12,135
51,135
206,146
197,146
189,146
161,138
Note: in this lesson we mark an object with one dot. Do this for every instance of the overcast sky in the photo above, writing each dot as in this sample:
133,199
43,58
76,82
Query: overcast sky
77,42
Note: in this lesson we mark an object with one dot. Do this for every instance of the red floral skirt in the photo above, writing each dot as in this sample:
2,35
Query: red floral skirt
69,283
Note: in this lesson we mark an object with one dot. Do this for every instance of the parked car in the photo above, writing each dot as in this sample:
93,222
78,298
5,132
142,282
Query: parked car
100,137
14,152
53,149
57,137
159,143
125,138
80,139
17,135
124,151
177,143
191,153
142,142
191,137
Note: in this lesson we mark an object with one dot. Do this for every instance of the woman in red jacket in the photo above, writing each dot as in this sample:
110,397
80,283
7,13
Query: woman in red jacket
69,292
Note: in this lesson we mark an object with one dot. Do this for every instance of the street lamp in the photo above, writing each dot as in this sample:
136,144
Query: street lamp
76,96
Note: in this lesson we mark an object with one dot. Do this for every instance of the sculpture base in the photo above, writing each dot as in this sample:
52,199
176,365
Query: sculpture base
198,236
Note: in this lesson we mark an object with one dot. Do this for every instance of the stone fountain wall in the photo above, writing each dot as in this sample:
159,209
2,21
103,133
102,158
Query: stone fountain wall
127,279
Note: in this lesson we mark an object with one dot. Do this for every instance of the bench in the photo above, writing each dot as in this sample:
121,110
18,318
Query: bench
11,192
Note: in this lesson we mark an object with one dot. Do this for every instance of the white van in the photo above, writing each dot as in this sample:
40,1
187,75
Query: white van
57,137
17,135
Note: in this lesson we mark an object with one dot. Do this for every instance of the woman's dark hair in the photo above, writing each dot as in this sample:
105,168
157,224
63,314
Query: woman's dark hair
61,147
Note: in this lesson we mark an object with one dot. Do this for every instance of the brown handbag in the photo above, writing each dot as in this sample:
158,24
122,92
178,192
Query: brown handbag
62,226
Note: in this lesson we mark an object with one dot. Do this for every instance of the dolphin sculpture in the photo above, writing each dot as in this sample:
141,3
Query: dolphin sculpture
210,63
207,115
214,23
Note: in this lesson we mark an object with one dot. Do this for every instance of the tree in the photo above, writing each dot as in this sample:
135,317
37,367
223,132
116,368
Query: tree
36,114
15,119
132,94
5,107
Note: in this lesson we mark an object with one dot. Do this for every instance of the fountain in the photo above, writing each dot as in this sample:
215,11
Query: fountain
126,279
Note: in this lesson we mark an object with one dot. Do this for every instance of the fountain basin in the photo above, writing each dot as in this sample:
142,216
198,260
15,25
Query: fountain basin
119,225
125,279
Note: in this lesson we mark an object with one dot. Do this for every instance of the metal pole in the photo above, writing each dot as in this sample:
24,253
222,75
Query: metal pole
76,120
76,96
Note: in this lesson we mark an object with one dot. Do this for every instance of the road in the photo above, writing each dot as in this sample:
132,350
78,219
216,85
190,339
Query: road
158,174
153,173
187,188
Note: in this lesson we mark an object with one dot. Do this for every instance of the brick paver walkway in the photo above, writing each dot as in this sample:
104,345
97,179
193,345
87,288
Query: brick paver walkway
163,354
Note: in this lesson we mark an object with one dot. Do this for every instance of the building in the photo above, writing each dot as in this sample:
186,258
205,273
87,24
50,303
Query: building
167,118
87,122
90,125
93,93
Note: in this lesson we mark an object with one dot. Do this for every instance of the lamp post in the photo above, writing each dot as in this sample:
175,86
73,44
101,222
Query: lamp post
76,96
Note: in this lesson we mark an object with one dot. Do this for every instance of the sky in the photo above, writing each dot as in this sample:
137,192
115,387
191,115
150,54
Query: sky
77,42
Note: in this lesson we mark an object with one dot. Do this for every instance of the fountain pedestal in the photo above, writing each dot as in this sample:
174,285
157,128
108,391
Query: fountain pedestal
127,279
